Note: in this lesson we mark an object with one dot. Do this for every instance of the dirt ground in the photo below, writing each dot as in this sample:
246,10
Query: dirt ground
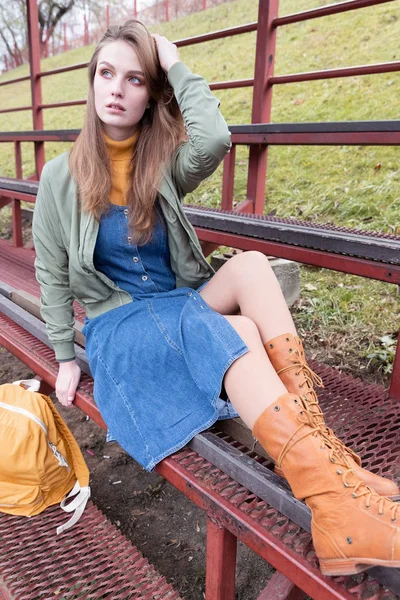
166,527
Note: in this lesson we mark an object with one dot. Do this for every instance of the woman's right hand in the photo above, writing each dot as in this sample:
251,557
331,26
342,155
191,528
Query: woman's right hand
68,378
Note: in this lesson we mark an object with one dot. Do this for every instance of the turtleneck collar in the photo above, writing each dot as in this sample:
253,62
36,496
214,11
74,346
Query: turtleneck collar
121,150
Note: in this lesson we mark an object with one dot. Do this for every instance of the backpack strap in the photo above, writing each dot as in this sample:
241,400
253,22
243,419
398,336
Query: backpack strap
78,462
81,488
77,505
32,385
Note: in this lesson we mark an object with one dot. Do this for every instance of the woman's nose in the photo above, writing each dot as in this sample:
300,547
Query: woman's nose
117,89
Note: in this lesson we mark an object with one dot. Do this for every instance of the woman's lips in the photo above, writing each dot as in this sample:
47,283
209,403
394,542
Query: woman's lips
115,108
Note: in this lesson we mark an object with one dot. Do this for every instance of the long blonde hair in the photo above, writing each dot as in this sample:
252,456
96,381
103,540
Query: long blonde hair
161,131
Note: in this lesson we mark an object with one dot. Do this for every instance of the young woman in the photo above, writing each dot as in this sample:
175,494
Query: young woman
163,334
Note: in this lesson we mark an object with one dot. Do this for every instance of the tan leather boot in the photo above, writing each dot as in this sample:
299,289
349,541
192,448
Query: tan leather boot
353,528
286,354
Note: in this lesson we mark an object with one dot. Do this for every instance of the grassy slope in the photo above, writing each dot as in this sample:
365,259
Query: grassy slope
348,185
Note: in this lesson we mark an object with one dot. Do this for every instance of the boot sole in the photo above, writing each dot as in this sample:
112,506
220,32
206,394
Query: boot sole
352,566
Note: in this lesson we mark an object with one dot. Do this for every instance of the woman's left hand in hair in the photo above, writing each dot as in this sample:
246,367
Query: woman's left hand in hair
168,53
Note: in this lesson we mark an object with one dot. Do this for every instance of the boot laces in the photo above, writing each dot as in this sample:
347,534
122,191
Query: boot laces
310,379
371,497
338,449
337,456
306,417
302,368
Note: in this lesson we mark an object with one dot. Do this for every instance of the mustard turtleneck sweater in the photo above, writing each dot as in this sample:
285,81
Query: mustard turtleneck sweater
120,153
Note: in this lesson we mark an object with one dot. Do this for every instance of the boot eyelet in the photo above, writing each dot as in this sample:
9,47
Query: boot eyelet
339,471
295,401
276,408
380,513
354,495
288,339
393,520
271,346
346,484
290,350
349,540
368,506
332,460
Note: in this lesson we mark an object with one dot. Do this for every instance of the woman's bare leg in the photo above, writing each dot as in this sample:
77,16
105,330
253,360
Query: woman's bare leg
247,283
251,382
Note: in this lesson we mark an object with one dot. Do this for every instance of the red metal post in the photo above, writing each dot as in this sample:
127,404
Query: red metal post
135,9
394,391
167,10
17,223
16,204
262,99
280,587
36,88
228,179
65,37
107,16
18,160
204,4
220,563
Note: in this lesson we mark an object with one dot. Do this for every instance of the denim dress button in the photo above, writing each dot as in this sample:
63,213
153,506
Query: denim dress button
144,277
129,240
126,211
135,259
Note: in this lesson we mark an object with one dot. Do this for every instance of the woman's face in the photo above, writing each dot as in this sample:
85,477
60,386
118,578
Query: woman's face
120,94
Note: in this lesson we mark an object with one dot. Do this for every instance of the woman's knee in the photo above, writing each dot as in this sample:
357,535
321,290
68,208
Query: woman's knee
246,328
252,262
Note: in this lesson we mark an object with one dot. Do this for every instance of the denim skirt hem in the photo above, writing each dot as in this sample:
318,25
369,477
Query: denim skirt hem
216,417
158,365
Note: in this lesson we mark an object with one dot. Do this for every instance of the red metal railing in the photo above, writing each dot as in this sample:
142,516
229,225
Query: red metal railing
263,82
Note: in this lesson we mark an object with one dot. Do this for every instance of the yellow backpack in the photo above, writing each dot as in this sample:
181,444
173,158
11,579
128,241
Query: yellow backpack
40,460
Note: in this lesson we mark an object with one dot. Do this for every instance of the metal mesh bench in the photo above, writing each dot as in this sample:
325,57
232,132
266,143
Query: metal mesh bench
94,560
233,484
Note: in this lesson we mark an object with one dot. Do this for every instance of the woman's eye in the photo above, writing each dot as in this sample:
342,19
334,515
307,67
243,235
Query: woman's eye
106,73
134,79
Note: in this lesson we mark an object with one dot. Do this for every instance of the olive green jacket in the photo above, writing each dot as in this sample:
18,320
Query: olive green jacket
65,237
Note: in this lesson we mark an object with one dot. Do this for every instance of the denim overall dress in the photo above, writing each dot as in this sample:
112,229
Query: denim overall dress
158,362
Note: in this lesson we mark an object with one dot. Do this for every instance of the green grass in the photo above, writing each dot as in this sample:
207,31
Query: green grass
343,319
352,186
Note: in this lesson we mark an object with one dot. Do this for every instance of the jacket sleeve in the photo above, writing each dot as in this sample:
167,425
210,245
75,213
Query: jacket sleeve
209,136
51,266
